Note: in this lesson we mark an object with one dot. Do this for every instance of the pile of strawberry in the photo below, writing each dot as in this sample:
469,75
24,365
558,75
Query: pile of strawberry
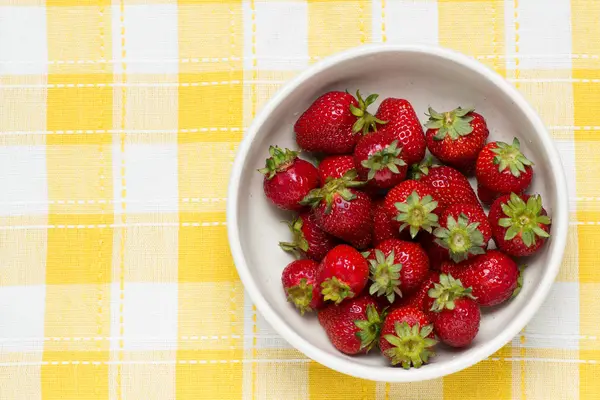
397,259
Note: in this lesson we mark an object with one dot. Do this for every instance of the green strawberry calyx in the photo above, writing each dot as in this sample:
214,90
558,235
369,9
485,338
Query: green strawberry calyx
417,213
524,219
446,292
517,290
331,189
369,329
461,237
388,157
411,346
280,160
385,274
365,121
422,168
335,290
455,123
510,156
301,295
300,244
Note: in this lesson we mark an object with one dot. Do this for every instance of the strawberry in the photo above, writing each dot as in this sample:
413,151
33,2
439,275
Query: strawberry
378,159
299,280
335,167
343,273
520,224
456,137
407,337
397,267
288,179
309,239
448,185
457,315
403,123
332,124
503,169
343,211
352,327
412,205
486,196
419,298
382,224
464,231
437,254
493,277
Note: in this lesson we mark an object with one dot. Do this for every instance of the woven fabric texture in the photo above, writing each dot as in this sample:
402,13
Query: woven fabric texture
119,122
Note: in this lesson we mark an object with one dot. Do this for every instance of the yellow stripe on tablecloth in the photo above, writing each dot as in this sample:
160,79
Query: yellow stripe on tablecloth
75,375
337,25
213,30
209,374
82,33
489,379
325,383
474,28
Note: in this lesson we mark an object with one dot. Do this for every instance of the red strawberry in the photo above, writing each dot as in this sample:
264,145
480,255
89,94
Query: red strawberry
352,327
382,224
412,205
335,167
520,224
407,337
437,255
309,240
449,186
503,169
342,211
457,314
288,179
486,196
464,231
403,123
378,159
332,124
456,137
299,281
397,267
343,273
419,298
492,276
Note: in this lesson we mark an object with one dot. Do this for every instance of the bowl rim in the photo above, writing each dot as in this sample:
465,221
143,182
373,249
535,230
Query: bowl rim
560,220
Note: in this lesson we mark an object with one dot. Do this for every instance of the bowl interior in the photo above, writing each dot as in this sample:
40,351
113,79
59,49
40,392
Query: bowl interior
425,80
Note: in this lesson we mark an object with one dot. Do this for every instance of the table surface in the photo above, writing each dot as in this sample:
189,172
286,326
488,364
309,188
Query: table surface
118,126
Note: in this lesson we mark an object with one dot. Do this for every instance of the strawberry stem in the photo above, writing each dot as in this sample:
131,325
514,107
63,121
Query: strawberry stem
446,292
411,345
388,157
369,329
279,161
335,290
461,238
524,219
455,123
385,274
510,156
300,244
365,121
417,213
301,296
331,189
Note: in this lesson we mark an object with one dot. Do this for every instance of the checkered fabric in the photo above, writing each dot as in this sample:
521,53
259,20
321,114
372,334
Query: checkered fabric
119,122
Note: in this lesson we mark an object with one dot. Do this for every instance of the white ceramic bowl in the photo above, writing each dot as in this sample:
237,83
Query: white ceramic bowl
425,76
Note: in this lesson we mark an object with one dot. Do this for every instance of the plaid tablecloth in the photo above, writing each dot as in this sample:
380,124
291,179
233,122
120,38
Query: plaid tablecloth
118,126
